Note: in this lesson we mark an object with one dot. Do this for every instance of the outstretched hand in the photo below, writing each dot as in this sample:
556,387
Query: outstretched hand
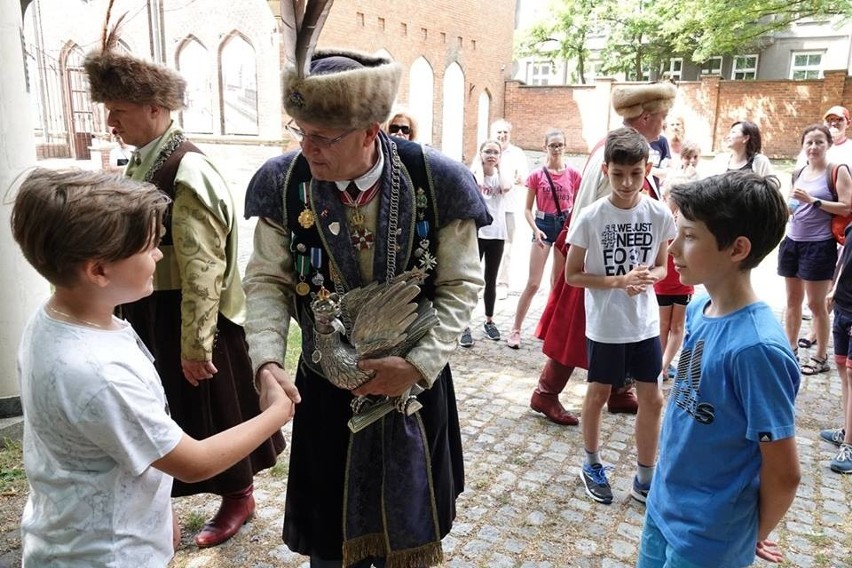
272,394
282,377
392,376
768,550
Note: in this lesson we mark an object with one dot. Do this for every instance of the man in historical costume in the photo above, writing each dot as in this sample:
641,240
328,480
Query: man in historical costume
192,323
355,206
643,107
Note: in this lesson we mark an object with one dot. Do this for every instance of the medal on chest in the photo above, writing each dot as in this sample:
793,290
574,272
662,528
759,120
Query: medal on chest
306,217
360,236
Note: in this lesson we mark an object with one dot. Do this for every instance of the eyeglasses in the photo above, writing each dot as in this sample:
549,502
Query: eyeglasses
404,128
315,139
491,152
556,146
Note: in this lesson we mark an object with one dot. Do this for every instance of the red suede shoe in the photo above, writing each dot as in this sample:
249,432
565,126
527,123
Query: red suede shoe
549,405
235,511
623,401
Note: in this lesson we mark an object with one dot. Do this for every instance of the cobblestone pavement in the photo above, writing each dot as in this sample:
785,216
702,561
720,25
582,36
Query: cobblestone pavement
524,505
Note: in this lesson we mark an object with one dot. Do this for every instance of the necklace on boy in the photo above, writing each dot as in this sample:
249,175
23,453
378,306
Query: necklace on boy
72,319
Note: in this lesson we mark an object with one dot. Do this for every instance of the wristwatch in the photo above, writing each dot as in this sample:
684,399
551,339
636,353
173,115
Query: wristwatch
817,203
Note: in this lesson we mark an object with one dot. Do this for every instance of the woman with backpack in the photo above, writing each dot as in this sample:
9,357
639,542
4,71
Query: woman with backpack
808,254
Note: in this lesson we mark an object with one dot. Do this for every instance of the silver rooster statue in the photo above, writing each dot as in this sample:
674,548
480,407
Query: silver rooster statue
379,320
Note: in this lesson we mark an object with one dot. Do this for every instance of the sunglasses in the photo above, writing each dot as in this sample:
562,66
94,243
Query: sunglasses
404,128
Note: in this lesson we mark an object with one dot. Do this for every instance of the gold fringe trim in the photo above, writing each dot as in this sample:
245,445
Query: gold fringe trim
371,545
357,549
427,555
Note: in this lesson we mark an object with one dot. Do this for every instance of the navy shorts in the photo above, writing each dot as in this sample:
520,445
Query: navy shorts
613,363
812,260
841,330
550,226
665,300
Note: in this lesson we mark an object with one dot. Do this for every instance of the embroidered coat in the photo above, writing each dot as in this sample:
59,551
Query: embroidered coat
438,211
198,306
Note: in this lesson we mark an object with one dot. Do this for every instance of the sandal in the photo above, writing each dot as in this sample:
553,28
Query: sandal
815,366
805,342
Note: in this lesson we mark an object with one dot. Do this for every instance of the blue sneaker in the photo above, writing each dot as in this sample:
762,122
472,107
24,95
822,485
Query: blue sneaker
595,481
833,436
842,463
639,491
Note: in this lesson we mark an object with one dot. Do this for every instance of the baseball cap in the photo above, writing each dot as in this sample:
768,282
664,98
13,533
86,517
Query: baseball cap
837,111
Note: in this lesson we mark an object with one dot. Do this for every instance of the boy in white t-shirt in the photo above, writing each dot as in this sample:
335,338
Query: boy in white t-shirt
100,449
618,252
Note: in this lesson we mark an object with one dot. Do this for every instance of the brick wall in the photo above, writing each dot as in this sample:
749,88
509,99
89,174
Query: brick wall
782,109
476,34
443,32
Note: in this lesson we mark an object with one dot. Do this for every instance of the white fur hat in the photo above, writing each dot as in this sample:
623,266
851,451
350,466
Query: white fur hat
630,101
345,89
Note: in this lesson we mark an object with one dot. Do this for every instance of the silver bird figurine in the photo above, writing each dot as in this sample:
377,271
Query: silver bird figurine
379,320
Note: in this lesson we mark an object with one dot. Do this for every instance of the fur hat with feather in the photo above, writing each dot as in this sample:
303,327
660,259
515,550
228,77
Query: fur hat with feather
333,88
116,76
630,101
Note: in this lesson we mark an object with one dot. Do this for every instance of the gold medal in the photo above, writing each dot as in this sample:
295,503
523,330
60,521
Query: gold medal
303,288
307,218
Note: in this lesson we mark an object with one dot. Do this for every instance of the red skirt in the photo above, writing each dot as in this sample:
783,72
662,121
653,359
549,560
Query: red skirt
562,326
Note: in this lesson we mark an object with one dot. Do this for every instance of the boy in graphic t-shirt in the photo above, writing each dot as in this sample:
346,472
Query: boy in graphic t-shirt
618,252
728,468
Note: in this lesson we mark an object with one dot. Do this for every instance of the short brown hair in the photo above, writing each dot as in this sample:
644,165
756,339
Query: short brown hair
62,218
625,147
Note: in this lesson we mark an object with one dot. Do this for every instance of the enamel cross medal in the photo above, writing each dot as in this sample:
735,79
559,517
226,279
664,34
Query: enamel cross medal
362,238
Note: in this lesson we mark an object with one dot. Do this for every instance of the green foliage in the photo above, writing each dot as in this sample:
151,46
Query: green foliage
294,349
12,476
194,522
700,29
641,35
564,35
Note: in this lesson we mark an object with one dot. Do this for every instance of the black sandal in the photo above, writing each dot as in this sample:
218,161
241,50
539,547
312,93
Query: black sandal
815,366
805,342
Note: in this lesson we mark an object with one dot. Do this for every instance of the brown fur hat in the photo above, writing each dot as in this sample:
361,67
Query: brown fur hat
115,76
345,89
630,101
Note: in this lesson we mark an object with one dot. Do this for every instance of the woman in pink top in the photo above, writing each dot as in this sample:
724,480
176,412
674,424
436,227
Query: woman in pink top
551,189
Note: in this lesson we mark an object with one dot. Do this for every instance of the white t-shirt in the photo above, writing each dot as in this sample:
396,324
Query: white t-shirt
616,240
95,418
495,202
840,153
514,162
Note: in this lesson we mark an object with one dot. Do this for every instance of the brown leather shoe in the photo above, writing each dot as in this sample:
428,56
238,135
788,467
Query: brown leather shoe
549,405
234,512
623,401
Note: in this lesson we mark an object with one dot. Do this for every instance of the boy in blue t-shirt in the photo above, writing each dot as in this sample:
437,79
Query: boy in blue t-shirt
618,253
728,467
